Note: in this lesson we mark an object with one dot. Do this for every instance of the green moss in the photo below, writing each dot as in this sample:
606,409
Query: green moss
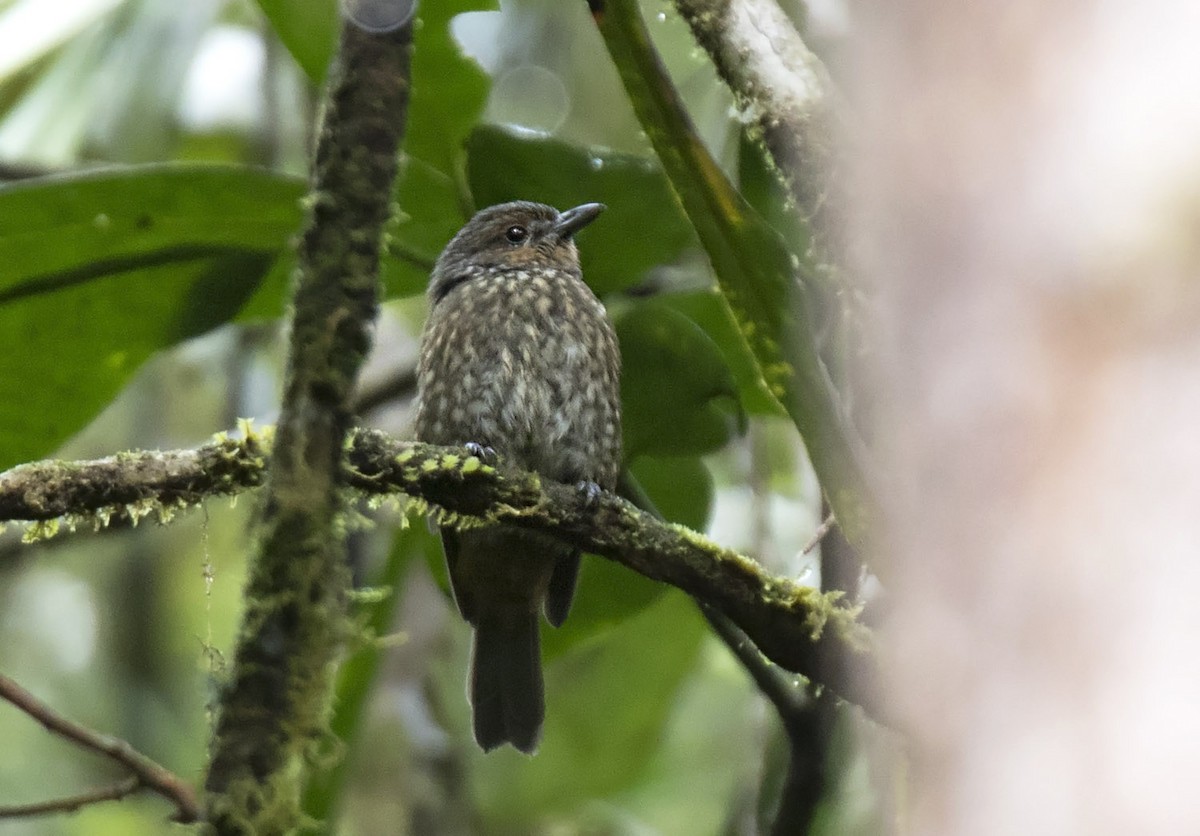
40,530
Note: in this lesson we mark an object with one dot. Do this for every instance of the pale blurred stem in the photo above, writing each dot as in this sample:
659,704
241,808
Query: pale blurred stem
783,89
768,291
267,141
277,700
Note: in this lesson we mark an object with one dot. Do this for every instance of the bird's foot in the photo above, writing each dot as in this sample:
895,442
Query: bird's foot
591,492
485,454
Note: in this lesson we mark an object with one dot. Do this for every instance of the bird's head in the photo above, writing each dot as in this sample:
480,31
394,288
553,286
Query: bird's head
511,236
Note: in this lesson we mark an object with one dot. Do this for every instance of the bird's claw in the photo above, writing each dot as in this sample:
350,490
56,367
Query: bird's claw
485,454
591,492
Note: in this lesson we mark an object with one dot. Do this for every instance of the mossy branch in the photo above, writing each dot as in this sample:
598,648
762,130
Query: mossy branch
798,628
278,697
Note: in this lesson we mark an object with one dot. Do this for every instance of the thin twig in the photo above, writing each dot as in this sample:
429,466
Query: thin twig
819,534
146,772
72,803
400,384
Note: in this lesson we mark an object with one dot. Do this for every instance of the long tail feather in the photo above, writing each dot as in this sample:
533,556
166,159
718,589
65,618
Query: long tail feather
506,686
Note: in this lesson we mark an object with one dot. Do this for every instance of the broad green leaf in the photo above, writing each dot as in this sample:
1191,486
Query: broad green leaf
680,487
270,299
100,270
448,88
75,228
643,227
607,702
678,396
608,594
308,29
426,216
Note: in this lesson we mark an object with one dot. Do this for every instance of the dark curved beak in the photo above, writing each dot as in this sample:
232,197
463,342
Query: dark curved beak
573,220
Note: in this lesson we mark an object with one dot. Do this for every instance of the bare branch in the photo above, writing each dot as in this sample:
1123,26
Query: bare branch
72,803
146,773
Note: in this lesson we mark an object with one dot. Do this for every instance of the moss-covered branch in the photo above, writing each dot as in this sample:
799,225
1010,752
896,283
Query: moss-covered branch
130,486
277,699
796,627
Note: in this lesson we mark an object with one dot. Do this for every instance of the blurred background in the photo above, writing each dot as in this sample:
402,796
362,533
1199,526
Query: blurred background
653,728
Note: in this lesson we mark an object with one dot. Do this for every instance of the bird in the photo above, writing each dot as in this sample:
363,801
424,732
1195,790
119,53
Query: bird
519,360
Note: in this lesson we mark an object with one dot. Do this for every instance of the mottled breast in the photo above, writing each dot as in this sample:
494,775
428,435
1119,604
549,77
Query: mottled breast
524,361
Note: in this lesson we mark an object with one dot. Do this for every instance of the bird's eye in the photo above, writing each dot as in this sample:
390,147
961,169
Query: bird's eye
516,233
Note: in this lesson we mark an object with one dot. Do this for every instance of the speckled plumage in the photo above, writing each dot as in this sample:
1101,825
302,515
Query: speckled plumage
518,355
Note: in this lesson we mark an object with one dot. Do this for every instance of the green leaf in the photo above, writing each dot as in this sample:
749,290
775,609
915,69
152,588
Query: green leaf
448,93
643,228
680,487
607,703
102,269
678,396
448,88
608,594
429,215
308,30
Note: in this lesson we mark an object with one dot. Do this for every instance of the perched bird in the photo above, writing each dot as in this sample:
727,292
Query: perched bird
518,357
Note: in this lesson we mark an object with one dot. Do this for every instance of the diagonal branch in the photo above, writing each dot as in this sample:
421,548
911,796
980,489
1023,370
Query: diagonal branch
146,773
